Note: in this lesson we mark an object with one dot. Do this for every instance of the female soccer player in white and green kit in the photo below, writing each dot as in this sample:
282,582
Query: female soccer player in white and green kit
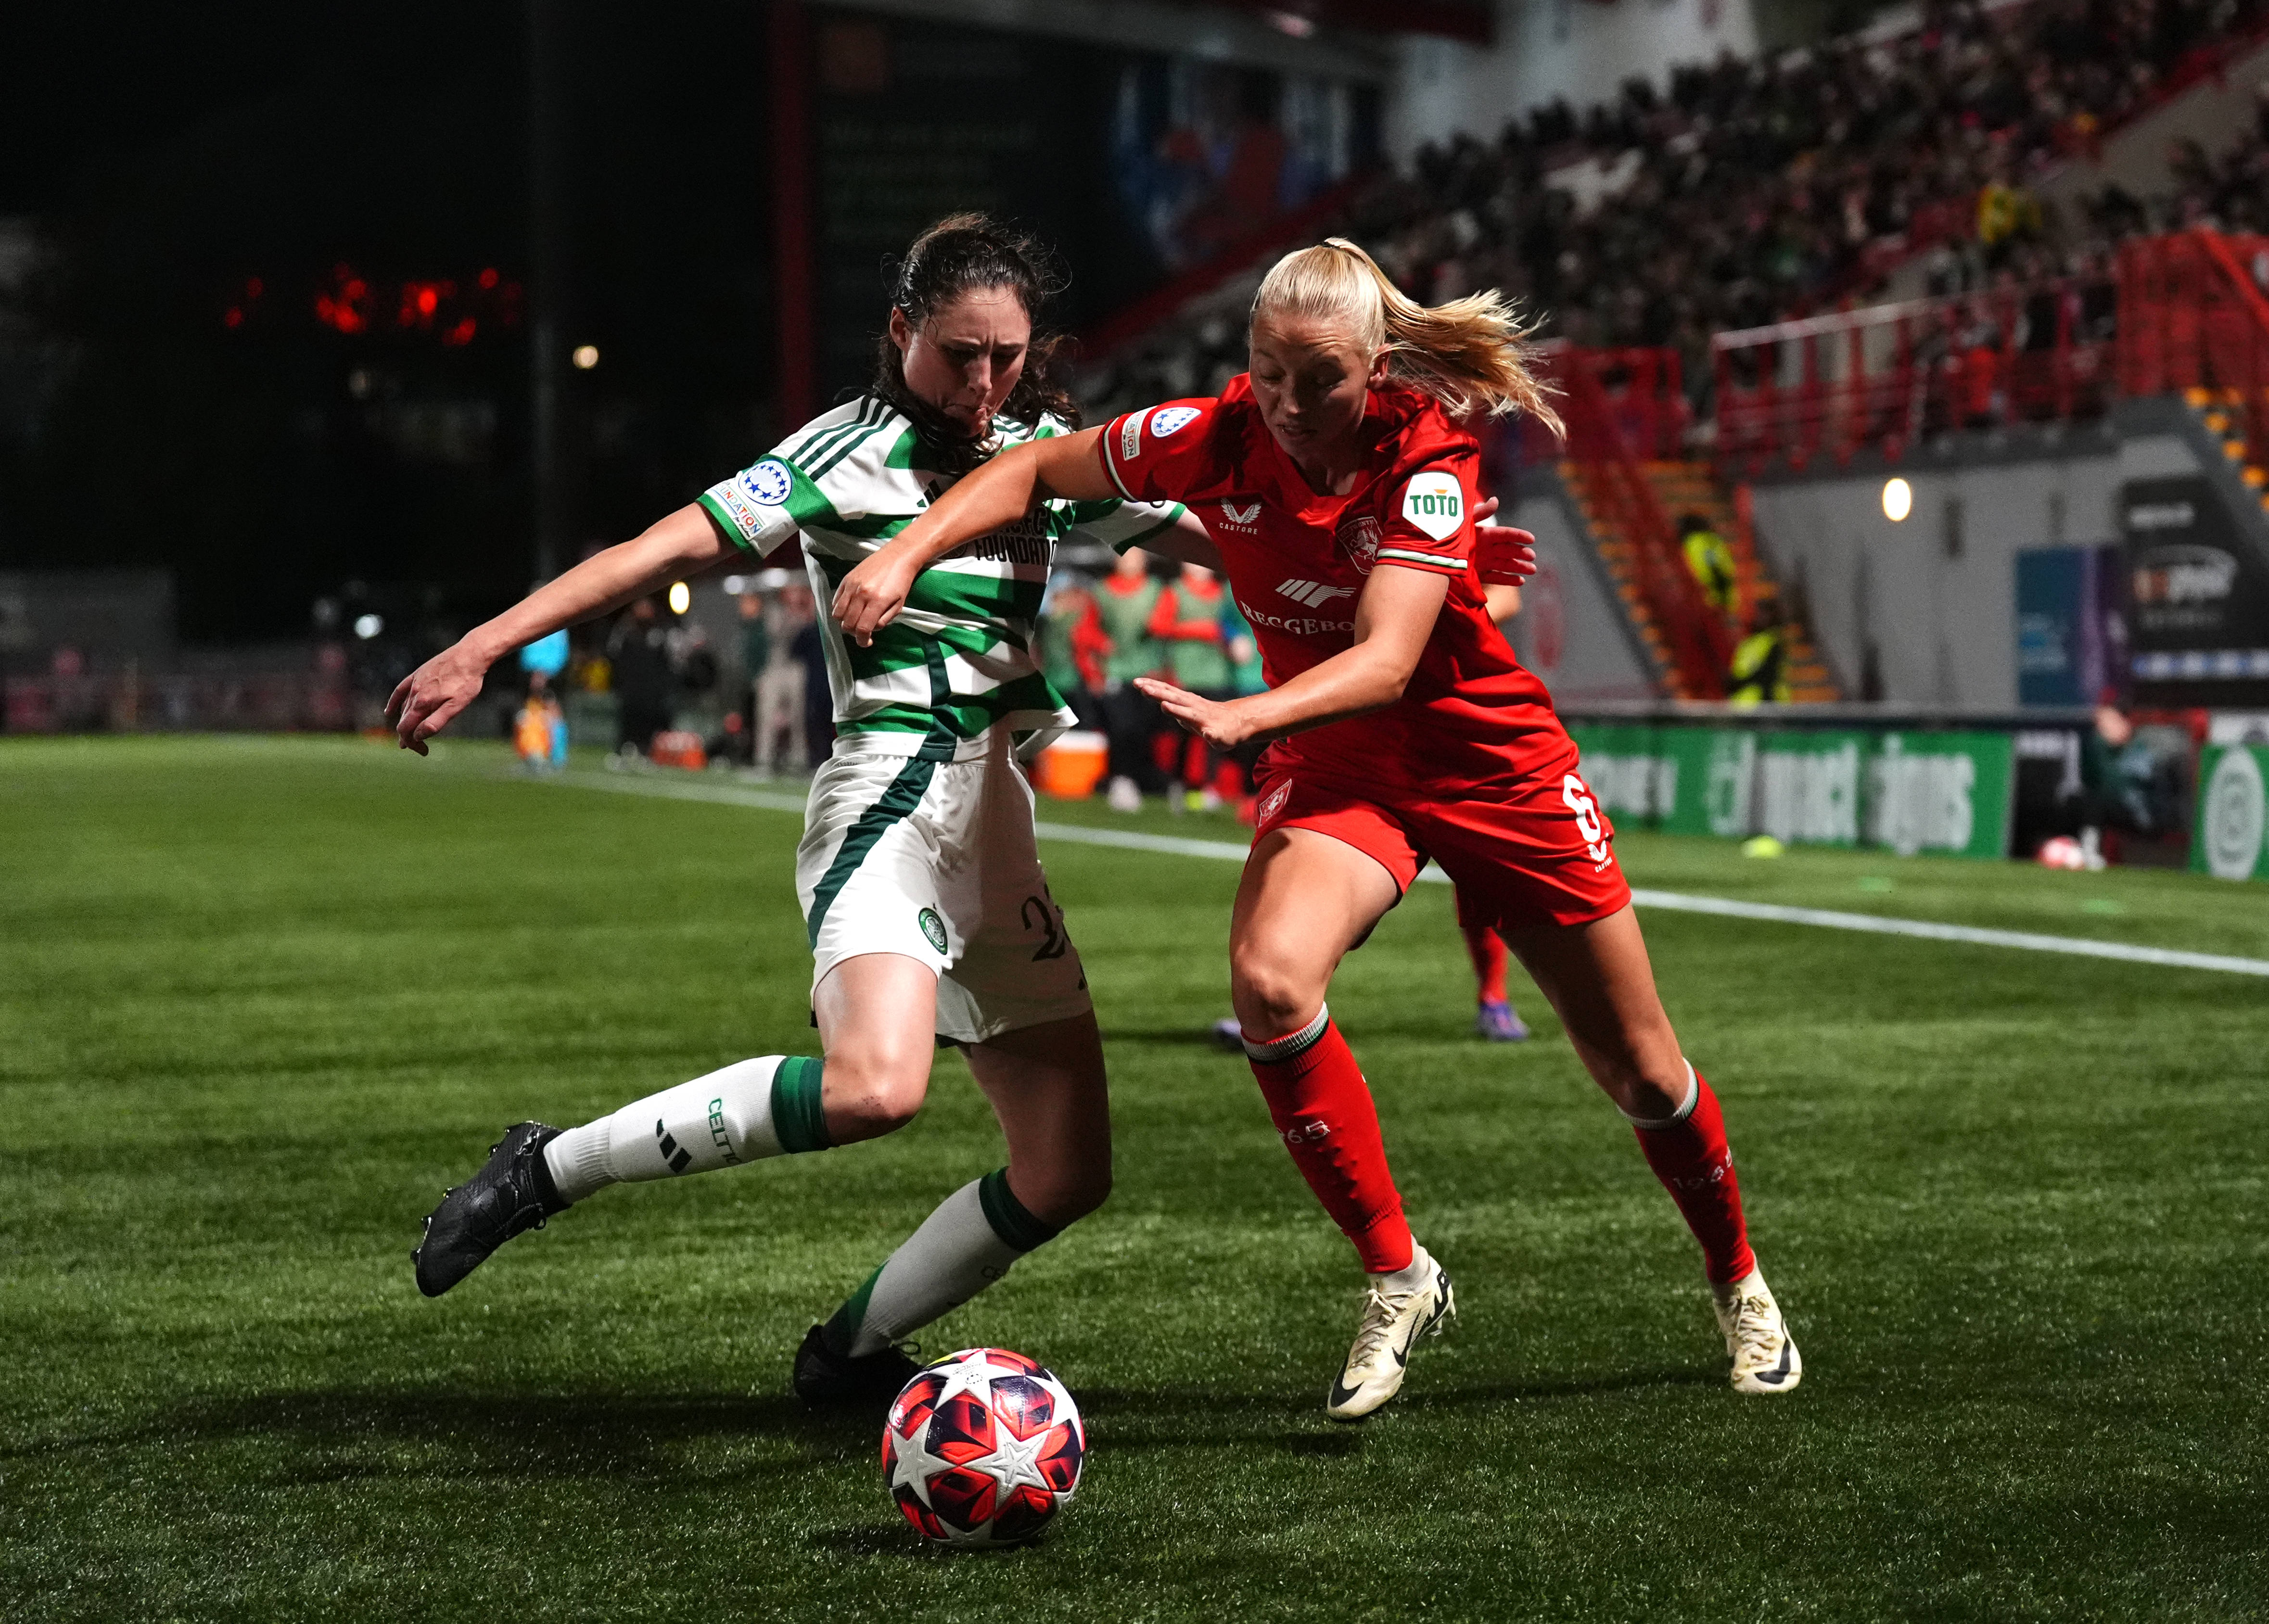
923,897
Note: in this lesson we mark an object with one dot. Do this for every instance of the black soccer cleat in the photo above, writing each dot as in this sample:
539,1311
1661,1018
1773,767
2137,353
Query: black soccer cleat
824,1378
513,1194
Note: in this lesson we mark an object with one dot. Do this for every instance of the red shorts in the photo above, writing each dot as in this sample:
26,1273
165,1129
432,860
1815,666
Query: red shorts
1539,853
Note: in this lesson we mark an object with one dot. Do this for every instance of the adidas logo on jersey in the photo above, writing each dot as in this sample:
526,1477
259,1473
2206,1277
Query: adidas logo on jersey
1241,518
1313,594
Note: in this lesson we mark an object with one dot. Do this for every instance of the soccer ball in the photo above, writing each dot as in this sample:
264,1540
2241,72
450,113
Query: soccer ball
982,1448
2061,852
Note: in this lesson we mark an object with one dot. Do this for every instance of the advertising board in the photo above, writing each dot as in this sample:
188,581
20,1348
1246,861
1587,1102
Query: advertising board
1949,792
2231,841
2197,596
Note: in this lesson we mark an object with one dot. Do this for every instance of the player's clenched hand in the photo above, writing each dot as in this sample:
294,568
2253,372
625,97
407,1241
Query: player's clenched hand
1220,725
429,696
872,595
1501,554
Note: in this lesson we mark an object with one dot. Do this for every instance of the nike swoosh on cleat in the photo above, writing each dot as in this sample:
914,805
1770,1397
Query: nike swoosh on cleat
1340,1395
1441,1306
1779,1372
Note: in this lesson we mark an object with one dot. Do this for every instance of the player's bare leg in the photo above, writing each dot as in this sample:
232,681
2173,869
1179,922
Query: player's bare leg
1305,901
1046,1086
1600,981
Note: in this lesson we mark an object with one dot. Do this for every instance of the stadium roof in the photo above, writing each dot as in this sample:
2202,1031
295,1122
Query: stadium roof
1472,20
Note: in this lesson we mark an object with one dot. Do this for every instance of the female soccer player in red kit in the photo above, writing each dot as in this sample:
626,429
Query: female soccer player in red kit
1339,493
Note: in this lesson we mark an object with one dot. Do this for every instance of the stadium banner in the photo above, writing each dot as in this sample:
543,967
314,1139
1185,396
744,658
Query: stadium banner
2232,839
1942,792
1627,775
1807,786
1949,792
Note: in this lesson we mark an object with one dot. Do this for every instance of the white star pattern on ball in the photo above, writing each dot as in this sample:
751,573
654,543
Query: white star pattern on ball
1014,1461
913,1463
973,1377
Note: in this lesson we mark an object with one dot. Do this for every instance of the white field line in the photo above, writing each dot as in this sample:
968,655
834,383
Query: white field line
1678,902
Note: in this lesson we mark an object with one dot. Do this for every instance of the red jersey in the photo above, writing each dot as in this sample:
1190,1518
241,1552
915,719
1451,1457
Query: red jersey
1471,719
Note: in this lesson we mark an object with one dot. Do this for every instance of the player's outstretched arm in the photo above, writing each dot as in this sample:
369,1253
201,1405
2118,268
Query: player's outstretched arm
998,493
1393,620
683,544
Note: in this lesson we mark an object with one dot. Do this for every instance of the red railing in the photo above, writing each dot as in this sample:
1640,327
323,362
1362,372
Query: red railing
1696,639
1883,378
1646,398
2181,312
2193,316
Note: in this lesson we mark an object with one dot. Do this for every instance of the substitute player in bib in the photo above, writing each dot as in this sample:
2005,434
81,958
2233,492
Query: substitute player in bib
1338,493
927,913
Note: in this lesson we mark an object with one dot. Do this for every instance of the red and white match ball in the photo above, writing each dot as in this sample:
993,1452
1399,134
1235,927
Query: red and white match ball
2061,852
983,1447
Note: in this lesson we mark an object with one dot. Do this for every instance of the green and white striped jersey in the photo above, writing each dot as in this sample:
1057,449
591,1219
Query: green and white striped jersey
962,657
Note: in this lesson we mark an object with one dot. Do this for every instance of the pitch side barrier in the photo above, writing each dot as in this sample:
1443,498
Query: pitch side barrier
1953,781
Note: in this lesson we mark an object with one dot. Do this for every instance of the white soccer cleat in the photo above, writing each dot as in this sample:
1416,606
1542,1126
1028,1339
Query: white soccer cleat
1391,1321
1123,795
1766,1359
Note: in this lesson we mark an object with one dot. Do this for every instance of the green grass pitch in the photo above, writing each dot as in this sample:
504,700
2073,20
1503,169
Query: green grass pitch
261,999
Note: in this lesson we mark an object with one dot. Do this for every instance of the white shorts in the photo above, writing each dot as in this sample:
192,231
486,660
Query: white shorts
936,860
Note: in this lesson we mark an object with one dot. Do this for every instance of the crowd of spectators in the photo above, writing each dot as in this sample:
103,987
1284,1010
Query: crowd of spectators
1750,191
2229,189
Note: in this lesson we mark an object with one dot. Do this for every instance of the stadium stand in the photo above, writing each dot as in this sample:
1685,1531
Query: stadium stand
1752,192
1666,240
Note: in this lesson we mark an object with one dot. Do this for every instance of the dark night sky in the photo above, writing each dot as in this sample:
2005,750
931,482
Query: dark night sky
172,152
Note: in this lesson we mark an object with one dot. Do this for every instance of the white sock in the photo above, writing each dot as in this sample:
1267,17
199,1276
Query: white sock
1725,1294
963,1247
1410,1276
719,1120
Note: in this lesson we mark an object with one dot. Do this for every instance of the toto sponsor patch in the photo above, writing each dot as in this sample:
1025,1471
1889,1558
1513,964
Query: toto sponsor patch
1434,503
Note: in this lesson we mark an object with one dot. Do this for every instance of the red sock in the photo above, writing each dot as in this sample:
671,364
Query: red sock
1689,1155
1321,1105
1487,950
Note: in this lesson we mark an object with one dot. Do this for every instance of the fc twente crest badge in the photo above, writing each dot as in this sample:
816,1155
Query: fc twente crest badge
1358,539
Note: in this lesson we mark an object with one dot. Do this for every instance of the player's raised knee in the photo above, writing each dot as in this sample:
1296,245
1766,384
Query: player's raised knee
1271,995
867,1099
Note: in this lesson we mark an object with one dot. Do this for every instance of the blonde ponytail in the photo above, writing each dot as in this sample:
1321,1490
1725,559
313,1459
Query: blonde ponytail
1469,354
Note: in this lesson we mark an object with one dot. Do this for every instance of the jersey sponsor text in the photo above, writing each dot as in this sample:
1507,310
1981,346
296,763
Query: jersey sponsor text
1301,625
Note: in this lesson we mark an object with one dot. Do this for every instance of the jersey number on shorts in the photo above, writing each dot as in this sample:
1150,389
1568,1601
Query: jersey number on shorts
1576,796
1051,923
